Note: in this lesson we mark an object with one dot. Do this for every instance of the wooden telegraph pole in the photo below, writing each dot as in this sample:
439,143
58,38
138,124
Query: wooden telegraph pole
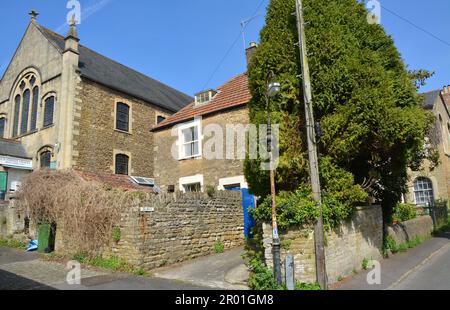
312,149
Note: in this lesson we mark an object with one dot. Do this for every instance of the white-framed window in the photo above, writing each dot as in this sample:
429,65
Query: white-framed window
423,191
232,183
189,140
192,184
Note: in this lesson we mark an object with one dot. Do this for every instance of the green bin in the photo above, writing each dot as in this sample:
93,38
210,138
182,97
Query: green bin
44,236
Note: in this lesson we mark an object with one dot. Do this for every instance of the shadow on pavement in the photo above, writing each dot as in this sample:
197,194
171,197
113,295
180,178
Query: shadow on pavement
10,281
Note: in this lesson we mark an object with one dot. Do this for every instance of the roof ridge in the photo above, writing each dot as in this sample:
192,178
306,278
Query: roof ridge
98,67
108,58
232,79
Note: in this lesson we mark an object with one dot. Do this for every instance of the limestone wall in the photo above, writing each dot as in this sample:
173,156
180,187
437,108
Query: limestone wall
179,227
346,246
421,227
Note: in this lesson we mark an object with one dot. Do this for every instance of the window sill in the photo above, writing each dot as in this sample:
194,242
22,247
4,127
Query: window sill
124,132
26,134
190,158
47,127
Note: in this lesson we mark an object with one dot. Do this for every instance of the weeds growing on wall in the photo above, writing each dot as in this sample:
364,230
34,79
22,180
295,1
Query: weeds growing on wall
87,212
404,212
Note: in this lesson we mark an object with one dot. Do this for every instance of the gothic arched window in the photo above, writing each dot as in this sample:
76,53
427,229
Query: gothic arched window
16,116
26,102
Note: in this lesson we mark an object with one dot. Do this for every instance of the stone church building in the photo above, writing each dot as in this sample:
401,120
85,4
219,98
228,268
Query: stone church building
72,108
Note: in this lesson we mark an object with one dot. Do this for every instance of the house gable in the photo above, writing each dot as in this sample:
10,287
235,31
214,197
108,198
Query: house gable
34,51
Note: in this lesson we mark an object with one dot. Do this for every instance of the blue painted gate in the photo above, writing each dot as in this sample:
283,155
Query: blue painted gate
248,203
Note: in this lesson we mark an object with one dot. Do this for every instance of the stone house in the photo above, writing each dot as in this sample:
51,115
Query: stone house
72,108
434,184
197,148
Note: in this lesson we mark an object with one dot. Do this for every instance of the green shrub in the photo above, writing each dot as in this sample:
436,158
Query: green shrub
365,264
210,191
116,234
11,243
261,277
299,208
404,212
219,247
307,287
81,257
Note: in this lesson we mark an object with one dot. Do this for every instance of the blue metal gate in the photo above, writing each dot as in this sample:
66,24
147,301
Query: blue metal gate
248,203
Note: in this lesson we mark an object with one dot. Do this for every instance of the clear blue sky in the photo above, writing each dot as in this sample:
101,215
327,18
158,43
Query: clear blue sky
181,42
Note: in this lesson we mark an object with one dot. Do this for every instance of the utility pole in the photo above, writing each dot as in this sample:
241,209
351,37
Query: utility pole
312,150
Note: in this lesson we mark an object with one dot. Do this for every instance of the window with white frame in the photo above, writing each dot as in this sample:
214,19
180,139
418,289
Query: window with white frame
423,191
189,137
191,184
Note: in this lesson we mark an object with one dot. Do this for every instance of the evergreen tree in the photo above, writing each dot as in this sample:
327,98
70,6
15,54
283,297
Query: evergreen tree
363,96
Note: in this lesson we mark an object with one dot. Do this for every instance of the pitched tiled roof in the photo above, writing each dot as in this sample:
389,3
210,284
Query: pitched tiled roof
107,72
232,94
12,148
113,180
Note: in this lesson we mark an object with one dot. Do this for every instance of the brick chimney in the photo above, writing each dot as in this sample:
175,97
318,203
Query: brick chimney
250,52
446,94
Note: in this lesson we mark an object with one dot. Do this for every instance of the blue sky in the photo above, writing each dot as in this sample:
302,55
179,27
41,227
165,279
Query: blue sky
182,43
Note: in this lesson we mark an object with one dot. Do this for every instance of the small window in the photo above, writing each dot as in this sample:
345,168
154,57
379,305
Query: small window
49,111
2,127
160,119
123,117
423,191
122,164
16,116
45,160
192,188
232,187
25,112
190,142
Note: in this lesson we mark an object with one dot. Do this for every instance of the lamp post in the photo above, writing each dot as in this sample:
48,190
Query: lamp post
273,88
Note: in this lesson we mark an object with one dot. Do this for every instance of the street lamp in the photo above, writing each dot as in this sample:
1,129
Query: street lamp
273,88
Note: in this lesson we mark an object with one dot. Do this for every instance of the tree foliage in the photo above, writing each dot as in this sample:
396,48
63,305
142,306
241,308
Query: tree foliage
363,95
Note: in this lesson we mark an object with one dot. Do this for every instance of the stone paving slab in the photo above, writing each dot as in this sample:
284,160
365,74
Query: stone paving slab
224,271
26,271
49,274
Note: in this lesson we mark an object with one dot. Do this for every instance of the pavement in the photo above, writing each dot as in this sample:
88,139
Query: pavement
426,267
20,270
221,271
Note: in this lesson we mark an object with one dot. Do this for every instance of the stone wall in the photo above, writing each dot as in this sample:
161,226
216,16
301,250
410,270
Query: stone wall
179,227
97,141
421,227
12,221
169,170
346,246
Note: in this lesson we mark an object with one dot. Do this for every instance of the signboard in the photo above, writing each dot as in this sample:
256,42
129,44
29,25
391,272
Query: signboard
18,163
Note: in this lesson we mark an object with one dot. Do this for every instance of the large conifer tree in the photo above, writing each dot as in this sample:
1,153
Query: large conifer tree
363,95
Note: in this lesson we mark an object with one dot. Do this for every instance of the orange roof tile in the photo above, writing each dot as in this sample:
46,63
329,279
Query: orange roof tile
233,93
